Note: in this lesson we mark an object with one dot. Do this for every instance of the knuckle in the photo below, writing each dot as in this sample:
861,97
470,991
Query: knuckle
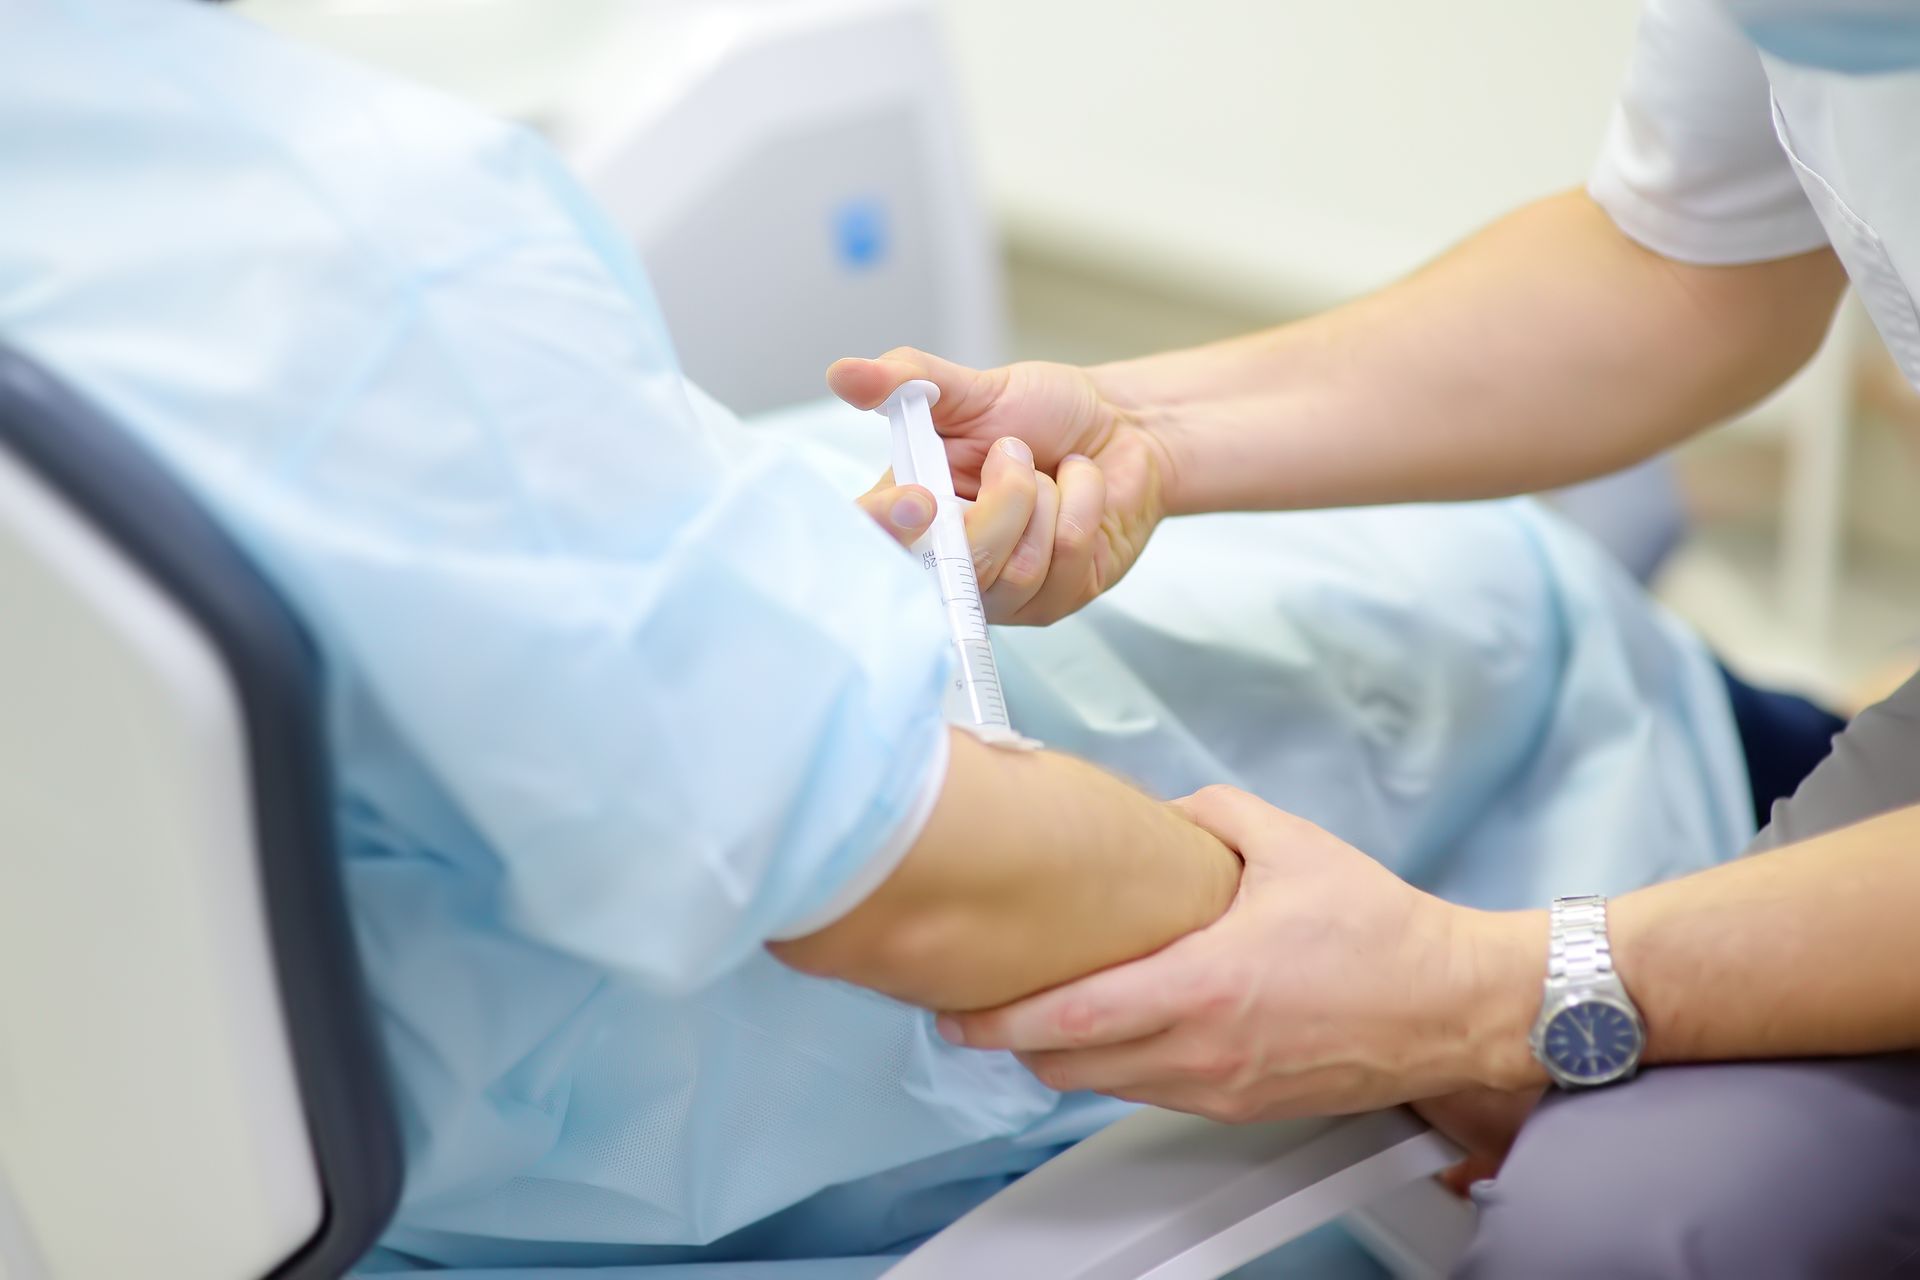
1196,988
1203,1061
1078,1020
1224,1067
1022,569
1216,993
1213,1001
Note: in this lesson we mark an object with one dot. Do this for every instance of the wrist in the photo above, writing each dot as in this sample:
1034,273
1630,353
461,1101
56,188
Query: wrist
1506,972
1125,384
1633,922
1235,422
1126,389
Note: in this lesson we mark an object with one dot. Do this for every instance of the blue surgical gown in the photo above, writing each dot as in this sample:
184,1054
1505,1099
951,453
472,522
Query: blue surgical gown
619,689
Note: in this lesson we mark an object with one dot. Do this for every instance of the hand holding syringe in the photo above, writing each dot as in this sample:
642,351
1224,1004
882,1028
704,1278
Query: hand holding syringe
1092,482
976,700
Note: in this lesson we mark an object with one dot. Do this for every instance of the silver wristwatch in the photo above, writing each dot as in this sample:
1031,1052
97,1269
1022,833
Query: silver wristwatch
1589,1032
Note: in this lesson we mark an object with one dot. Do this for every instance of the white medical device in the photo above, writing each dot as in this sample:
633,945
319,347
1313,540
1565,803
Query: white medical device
794,177
975,699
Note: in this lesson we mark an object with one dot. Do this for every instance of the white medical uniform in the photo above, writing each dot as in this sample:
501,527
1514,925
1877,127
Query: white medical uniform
1719,153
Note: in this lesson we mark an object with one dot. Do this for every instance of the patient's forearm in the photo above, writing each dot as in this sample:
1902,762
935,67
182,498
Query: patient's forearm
1035,868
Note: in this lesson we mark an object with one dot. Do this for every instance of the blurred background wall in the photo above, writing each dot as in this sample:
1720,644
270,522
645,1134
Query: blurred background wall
1273,157
1143,174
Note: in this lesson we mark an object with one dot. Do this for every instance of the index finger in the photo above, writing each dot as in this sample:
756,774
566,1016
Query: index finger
1124,1003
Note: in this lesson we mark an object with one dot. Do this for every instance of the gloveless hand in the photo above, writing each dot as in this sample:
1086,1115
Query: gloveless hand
1096,496
1330,986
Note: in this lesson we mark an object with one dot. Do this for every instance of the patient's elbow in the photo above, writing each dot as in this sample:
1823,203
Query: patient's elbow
816,954
915,956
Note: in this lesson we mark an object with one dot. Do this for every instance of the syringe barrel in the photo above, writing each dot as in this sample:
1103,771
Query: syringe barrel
975,697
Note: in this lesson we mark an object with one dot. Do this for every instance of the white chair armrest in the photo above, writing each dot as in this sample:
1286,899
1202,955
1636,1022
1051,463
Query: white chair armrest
1419,1232
1172,1197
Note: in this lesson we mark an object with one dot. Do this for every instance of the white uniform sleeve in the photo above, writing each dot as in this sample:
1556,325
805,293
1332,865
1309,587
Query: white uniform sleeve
1691,167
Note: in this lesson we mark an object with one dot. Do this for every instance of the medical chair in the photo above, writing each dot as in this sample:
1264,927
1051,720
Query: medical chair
191,1086
189,1080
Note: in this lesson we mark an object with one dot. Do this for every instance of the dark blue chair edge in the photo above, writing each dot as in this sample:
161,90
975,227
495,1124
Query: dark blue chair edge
132,500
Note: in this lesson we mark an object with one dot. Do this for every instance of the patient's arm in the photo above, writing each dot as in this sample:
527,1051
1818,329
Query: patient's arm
1034,868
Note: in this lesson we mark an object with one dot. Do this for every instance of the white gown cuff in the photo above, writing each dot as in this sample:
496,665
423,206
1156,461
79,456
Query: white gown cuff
874,872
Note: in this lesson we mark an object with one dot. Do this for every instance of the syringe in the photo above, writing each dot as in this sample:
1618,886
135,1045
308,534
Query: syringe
974,701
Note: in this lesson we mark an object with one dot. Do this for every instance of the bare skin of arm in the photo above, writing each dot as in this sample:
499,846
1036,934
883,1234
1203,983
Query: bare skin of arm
1815,940
1547,349
1805,950
1034,868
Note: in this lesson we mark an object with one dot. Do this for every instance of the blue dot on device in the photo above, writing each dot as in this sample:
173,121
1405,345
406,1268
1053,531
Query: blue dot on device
860,233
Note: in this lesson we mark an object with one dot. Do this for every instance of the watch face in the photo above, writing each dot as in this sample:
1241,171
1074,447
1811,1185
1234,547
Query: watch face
1591,1041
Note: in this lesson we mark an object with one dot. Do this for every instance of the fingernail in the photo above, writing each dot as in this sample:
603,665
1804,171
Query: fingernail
1016,448
950,1029
1076,457
912,511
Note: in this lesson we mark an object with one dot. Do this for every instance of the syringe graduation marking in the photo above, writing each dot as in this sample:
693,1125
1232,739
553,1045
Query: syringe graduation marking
919,457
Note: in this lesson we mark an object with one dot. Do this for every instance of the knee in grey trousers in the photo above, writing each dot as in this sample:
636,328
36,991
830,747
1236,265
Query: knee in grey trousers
1749,1170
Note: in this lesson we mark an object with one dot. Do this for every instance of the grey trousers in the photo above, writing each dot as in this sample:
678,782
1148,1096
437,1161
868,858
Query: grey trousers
1762,1169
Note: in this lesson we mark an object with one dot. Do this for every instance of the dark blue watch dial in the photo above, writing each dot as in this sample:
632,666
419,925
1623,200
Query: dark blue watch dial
1591,1041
